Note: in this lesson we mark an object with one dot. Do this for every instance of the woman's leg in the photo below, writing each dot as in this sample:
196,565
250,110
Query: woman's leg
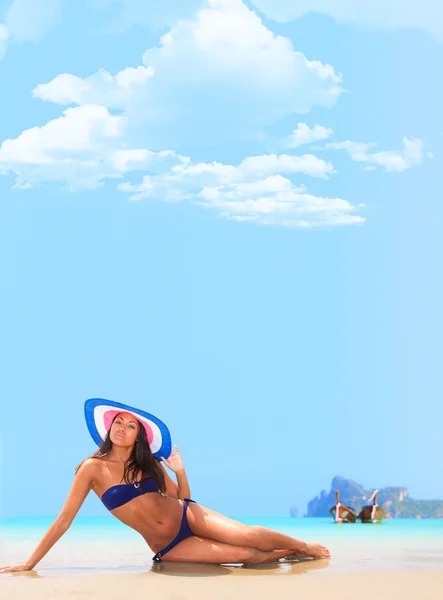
214,526
201,550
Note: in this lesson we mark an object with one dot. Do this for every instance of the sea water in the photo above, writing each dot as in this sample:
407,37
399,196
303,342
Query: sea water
102,544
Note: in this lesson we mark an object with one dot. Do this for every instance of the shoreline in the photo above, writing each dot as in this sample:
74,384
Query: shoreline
97,562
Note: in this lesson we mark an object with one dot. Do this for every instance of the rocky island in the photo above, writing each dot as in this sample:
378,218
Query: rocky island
394,500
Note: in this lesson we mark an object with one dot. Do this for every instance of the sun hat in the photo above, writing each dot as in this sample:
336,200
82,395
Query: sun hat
99,414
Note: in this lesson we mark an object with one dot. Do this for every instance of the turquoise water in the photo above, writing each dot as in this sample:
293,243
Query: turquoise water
16,529
104,543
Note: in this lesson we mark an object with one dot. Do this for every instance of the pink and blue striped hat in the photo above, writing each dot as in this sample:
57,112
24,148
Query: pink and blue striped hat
99,414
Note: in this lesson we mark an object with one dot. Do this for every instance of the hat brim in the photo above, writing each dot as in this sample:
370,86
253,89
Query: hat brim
99,414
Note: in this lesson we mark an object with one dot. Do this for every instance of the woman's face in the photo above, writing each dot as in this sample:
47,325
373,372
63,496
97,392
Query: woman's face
124,430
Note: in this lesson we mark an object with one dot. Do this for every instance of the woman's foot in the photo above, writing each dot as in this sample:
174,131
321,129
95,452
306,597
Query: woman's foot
258,556
315,550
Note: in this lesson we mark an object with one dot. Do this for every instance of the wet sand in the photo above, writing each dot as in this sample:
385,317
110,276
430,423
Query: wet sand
178,581
400,561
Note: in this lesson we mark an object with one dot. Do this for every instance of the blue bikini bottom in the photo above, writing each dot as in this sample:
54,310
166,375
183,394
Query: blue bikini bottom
184,532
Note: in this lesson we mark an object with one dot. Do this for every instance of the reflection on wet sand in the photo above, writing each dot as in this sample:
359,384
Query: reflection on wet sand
288,566
28,574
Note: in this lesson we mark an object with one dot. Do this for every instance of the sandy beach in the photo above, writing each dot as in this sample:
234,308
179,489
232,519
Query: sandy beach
99,560
202,582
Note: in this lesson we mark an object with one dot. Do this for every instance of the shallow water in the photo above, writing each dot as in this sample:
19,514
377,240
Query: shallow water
103,544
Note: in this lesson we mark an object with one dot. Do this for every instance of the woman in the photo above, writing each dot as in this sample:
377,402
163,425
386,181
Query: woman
157,508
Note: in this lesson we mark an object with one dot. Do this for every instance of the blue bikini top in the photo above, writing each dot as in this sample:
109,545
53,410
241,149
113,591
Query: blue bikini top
117,495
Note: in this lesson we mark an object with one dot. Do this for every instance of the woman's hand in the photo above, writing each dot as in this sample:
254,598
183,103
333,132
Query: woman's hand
16,567
174,462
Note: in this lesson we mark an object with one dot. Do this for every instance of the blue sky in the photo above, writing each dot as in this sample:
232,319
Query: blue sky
229,214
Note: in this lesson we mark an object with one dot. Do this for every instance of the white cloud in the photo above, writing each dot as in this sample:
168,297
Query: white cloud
101,88
28,21
88,144
387,14
220,75
267,164
137,159
77,130
186,177
273,200
75,149
392,160
305,135
276,201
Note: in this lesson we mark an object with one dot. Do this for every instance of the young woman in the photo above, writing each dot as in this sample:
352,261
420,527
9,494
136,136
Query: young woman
174,527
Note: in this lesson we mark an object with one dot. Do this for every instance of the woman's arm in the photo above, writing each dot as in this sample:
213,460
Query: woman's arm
180,489
184,491
83,483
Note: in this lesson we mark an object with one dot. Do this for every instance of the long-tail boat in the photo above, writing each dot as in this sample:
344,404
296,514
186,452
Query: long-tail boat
341,513
372,513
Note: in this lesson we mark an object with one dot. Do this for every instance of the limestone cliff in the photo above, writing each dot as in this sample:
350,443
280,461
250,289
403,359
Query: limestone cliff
395,501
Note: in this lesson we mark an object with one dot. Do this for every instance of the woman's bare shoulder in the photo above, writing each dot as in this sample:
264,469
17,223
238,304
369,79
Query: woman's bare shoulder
90,467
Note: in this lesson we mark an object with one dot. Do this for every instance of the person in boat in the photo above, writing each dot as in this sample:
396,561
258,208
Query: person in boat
136,488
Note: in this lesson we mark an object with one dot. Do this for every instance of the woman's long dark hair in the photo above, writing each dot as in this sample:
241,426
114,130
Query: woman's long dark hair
141,463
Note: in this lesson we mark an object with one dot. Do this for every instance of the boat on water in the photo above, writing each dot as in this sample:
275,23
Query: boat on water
341,513
372,513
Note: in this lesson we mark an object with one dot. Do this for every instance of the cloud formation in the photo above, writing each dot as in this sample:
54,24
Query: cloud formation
391,160
87,145
306,135
242,193
426,15
74,149
222,74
